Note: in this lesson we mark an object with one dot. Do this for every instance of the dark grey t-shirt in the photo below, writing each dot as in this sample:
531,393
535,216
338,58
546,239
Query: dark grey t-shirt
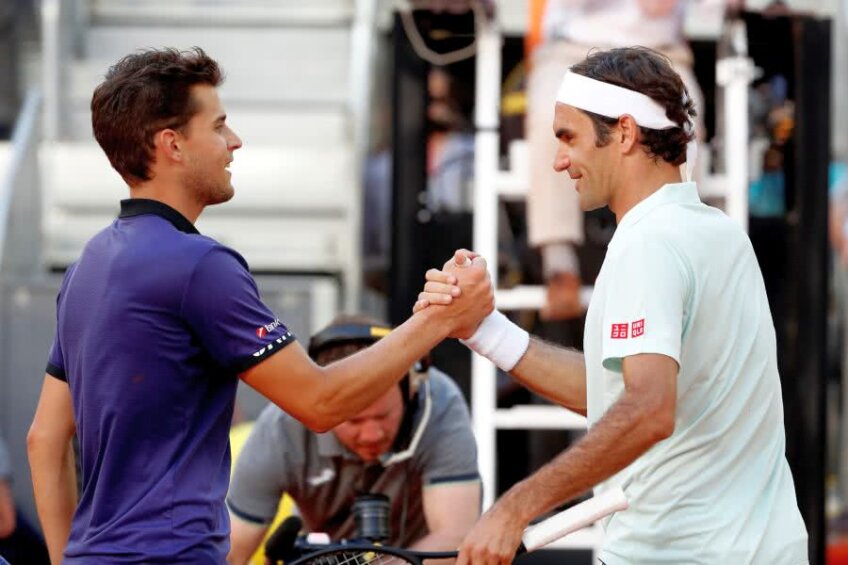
322,476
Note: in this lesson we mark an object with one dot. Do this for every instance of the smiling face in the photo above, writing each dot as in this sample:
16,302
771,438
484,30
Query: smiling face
593,168
372,432
209,144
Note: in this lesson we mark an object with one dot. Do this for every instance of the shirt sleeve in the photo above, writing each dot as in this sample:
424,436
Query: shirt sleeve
262,470
55,359
448,450
221,303
645,312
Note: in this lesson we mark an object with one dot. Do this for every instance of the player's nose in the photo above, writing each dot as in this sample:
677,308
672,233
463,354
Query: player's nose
561,161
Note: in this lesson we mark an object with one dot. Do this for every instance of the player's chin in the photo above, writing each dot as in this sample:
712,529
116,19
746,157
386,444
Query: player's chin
224,194
588,204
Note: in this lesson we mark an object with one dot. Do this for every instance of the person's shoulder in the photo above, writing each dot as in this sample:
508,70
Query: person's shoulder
275,421
442,385
204,250
445,394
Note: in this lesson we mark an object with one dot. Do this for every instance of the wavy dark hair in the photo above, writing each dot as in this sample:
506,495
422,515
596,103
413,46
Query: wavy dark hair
143,93
650,73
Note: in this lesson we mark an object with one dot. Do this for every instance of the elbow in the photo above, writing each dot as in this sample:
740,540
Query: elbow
319,425
329,409
41,441
660,425
35,441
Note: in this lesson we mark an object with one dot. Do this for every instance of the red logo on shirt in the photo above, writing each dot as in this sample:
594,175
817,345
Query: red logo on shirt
619,331
637,328
267,328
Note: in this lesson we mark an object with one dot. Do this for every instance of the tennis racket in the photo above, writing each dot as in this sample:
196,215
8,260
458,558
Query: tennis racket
535,537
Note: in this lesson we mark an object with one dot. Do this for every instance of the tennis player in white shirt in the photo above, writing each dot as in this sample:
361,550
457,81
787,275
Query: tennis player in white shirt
679,375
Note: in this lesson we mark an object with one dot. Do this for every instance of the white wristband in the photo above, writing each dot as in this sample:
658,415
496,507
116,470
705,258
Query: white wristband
499,340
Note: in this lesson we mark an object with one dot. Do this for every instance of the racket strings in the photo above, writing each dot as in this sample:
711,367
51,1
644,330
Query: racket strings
356,558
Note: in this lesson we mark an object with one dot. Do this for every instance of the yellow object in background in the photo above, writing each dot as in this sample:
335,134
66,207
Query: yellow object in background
238,435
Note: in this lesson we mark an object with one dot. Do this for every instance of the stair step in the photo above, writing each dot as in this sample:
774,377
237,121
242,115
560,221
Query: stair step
251,13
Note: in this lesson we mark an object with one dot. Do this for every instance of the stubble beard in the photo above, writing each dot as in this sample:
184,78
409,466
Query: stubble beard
209,192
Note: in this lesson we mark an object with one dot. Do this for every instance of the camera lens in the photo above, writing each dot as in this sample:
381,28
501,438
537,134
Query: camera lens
371,516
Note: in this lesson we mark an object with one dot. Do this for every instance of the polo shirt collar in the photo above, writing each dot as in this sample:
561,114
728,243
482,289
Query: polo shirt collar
673,193
141,206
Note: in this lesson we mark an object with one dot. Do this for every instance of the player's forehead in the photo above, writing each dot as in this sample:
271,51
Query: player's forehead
567,117
206,100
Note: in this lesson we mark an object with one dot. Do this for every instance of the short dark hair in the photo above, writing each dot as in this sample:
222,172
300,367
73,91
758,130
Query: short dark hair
650,73
143,93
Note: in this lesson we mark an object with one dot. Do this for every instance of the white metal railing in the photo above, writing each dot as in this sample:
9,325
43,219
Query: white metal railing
734,74
362,64
483,384
20,237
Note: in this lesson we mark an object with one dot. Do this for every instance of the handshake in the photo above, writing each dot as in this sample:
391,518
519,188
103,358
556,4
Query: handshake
461,297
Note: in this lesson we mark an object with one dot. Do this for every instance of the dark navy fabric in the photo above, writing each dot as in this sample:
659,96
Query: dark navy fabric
154,324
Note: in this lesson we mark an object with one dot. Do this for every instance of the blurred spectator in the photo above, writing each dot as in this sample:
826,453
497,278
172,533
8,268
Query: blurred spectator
19,543
450,143
561,33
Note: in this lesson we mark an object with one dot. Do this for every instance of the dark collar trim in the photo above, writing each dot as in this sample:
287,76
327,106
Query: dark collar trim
141,206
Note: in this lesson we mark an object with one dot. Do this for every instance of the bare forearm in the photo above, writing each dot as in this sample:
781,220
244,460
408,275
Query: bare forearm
438,541
54,484
618,439
355,382
555,373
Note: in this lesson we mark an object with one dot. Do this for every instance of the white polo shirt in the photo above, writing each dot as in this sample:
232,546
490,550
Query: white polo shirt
681,279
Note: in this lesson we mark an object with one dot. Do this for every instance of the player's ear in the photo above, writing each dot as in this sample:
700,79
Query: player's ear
628,133
168,143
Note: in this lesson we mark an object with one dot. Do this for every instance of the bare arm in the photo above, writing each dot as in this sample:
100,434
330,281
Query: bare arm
51,463
450,510
557,373
7,510
245,538
323,397
643,416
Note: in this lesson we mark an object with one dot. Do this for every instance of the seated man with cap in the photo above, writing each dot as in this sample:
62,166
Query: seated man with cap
414,445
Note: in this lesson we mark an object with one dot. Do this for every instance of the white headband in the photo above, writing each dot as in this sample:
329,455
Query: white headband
613,101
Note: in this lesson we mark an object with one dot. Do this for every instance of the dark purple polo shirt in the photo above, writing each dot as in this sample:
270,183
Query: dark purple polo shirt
154,324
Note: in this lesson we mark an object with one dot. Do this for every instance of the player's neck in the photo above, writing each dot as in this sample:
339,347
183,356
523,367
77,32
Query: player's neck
641,181
170,192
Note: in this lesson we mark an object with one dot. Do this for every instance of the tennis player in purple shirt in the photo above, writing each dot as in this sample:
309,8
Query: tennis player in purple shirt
157,322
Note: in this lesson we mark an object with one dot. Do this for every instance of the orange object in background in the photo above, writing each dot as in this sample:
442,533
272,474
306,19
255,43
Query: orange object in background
836,553
536,12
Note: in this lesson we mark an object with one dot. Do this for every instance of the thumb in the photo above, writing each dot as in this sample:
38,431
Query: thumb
463,257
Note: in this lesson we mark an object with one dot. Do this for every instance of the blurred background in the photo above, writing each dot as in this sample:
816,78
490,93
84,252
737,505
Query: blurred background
381,135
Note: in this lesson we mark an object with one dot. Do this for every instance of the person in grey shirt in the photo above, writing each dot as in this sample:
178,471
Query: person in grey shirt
414,445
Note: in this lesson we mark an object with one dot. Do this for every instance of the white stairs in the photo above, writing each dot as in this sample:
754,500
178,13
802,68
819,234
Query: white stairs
296,92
